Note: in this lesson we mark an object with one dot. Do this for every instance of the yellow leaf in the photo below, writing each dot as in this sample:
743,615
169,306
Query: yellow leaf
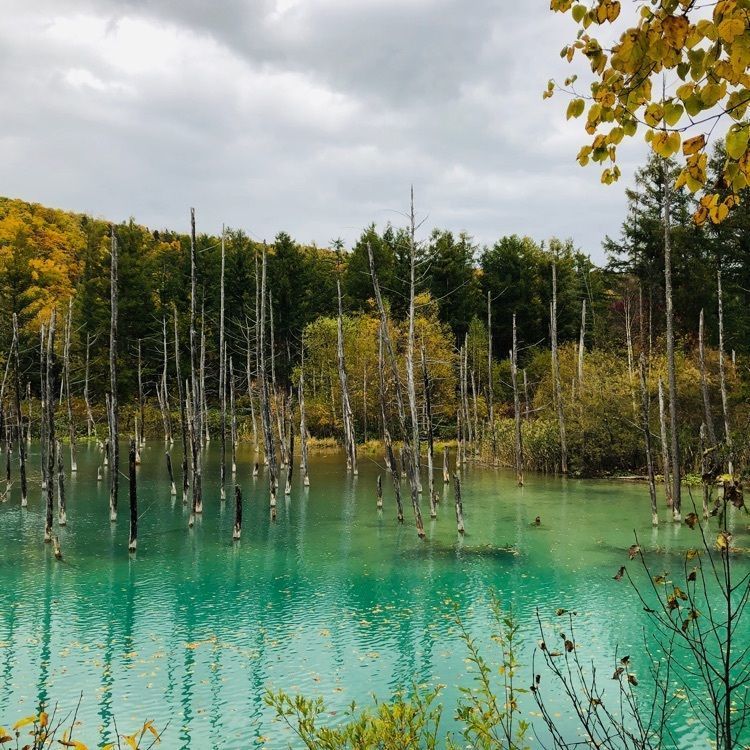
730,28
693,145
24,723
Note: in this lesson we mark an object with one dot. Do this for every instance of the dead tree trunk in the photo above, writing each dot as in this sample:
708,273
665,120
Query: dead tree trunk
250,394
722,375
133,536
466,417
347,416
646,427
206,433
459,503
290,463
43,394
410,465
19,415
139,418
518,444
671,367
222,372
705,470
274,400
412,394
264,396
164,400
430,440
581,348
381,398
490,386
303,422
50,417
232,418
90,424
114,452
556,373
196,428
237,531
666,469
66,383
704,382
446,471
182,396
379,489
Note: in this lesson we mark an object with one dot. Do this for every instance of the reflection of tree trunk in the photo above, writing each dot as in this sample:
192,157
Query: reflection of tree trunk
646,426
672,370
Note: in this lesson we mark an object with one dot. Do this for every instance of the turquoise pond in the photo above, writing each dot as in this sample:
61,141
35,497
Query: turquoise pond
332,599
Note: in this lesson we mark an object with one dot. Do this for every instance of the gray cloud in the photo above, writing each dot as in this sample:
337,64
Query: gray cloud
311,116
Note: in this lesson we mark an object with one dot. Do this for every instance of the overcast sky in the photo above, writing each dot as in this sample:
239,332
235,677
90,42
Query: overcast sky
311,116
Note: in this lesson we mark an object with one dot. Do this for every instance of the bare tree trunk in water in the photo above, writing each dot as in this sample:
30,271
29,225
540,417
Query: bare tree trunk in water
379,488
19,415
722,376
516,407
581,348
90,424
164,401
133,536
196,428
646,427
556,373
170,472
705,470
409,462
347,416
303,422
446,472
222,372
274,400
290,464
709,422
459,503
671,368
138,438
50,417
412,394
666,469
66,383
430,441
43,399
114,427
232,418
264,396
62,515
490,390
182,396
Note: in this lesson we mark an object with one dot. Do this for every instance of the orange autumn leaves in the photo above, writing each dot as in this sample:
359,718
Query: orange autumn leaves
679,70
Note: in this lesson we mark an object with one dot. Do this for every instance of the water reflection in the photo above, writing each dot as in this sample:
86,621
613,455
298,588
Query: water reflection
332,598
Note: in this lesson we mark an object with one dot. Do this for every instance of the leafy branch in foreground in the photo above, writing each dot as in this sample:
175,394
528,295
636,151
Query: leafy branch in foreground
698,644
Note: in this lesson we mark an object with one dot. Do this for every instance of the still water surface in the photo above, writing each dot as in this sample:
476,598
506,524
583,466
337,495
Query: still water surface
332,599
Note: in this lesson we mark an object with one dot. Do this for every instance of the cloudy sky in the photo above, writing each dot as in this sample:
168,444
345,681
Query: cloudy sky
311,116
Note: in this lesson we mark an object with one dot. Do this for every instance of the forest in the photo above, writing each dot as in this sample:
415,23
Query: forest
606,316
